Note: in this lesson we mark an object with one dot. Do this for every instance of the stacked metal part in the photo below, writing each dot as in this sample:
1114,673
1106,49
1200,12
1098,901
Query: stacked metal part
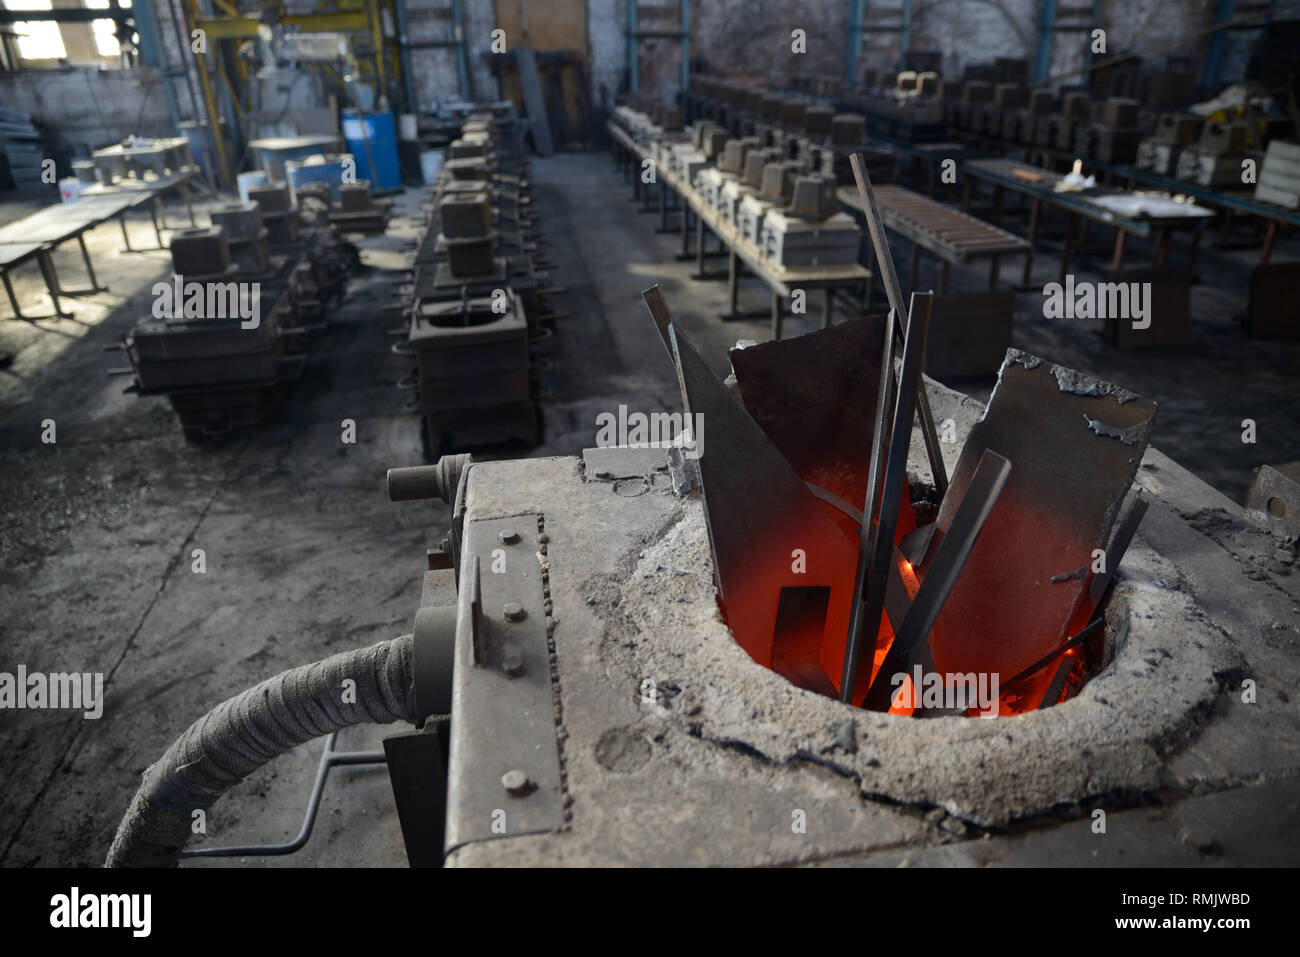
235,321
475,310
780,199
813,230
805,131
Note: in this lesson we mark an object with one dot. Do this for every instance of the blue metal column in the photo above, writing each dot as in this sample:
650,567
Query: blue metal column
904,35
633,79
1092,25
462,63
153,54
1218,43
1046,27
404,51
856,11
686,44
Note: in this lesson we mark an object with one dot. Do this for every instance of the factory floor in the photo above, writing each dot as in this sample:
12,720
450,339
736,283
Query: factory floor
304,555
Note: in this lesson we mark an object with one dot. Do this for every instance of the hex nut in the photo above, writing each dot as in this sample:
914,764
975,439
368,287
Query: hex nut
509,536
512,611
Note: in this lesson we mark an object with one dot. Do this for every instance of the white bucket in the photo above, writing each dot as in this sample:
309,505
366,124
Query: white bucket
247,180
431,164
70,189
408,126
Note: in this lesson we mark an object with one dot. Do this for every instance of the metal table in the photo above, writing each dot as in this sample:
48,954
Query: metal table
1231,203
952,235
13,255
150,192
272,151
742,254
1039,186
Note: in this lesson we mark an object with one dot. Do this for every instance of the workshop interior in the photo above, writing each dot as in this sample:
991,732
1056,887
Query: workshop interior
670,433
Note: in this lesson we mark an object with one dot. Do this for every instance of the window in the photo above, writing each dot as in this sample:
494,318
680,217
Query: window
37,39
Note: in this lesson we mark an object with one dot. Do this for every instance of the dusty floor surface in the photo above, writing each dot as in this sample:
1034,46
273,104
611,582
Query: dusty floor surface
304,554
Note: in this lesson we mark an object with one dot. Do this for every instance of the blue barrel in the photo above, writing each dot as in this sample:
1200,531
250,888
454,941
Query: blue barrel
299,172
372,140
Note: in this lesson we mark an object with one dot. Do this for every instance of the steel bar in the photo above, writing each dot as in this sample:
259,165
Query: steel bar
1057,686
870,516
894,292
329,758
975,508
866,624
1092,628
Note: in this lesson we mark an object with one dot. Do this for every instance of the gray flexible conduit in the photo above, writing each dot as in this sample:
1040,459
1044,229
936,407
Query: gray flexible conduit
245,732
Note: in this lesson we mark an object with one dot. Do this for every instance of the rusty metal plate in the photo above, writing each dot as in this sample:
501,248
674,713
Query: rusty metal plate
504,775
1074,443
815,397
768,535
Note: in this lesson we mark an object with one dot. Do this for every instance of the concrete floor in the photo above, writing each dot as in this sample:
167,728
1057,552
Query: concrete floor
305,555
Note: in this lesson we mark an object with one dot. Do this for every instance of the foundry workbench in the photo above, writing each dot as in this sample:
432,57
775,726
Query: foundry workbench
1114,208
782,281
48,228
1232,203
954,236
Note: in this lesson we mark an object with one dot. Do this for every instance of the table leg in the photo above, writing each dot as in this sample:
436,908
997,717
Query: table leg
153,215
1196,246
663,207
997,205
686,229
943,276
121,221
1117,260
1071,221
1034,208
51,281
1227,227
1269,239
1160,250
915,262
90,270
733,284
699,247
966,192
189,204
776,315
995,267
13,300
828,307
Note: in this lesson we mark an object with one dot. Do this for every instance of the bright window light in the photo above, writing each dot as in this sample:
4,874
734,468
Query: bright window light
105,37
37,39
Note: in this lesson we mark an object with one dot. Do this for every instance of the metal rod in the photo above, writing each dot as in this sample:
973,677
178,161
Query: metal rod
894,292
1092,628
328,759
976,505
865,625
